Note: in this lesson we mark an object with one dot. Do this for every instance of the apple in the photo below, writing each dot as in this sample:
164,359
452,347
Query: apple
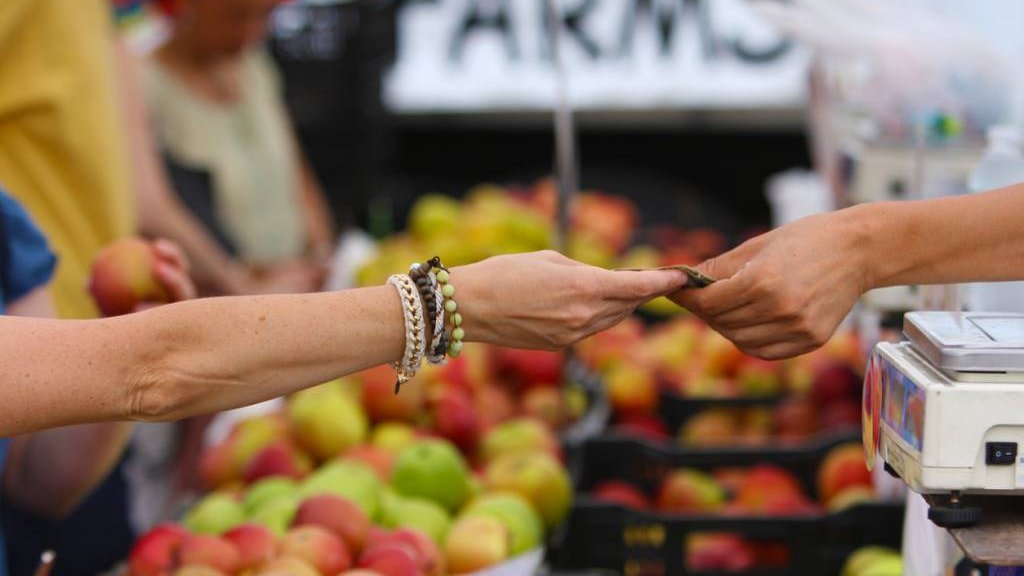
705,242
435,215
380,401
124,275
434,470
688,490
455,417
279,458
467,371
427,554
476,543
520,434
267,489
787,504
610,219
392,437
420,514
276,513
256,544
730,479
393,559
842,413
209,551
318,546
842,468
378,459
529,368
623,493
339,515
350,479
216,513
326,422
249,437
835,382
863,558
545,404
757,377
288,566
537,477
850,497
722,357
631,389
524,525
711,427
361,572
155,553
216,468
493,405
763,483
605,349
718,552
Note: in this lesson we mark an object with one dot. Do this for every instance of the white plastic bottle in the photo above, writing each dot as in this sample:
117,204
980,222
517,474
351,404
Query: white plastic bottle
1001,165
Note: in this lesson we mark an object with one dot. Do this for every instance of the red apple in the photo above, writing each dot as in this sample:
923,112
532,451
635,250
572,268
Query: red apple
215,466
375,457
393,559
835,382
840,414
318,546
722,357
529,368
381,402
764,482
209,551
611,219
277,459
124,275
842,468
455,418
757,377
154,554
428,555
288,566
705,242
493,405
712,427
795,418
645,426
688,490
623,493
341,516
255,543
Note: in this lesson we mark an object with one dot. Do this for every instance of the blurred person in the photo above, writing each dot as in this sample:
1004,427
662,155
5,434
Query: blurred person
216,104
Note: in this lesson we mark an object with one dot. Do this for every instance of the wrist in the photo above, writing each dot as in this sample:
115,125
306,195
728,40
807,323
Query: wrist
870,250
471,294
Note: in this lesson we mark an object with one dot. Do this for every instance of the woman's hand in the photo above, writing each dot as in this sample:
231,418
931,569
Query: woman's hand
784,293
173,271
545,300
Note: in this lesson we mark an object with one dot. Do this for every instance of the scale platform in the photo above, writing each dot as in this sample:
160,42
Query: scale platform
944,411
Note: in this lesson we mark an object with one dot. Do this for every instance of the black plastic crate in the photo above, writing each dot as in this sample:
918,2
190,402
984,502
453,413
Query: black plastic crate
643,542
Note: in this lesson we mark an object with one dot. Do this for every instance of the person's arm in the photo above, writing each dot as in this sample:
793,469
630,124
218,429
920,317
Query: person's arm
213,354
785,292
161,213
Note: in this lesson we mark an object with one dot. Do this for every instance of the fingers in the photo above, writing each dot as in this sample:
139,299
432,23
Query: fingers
176,281
172,253
642,286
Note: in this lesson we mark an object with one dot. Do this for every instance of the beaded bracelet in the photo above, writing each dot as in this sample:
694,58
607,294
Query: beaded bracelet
457,334
430,292
415,329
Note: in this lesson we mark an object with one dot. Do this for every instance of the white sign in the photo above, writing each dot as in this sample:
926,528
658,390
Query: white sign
485,55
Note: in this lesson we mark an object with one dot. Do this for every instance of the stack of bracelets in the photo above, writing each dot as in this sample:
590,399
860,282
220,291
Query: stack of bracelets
428,299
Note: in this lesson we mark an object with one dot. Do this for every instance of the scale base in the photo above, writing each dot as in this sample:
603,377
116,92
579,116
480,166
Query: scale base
995,539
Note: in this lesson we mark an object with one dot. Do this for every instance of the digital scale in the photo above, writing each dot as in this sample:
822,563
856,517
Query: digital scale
944,410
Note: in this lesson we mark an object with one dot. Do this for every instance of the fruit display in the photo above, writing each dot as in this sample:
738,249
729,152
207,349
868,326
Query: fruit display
873,561
648,509
428,514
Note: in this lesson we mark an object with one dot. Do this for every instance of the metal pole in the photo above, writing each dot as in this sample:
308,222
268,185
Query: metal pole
566,168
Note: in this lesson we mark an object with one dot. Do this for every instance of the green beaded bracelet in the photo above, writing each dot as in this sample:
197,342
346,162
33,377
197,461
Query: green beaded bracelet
457,334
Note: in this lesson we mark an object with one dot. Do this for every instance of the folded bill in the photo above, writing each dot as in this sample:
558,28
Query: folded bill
697,279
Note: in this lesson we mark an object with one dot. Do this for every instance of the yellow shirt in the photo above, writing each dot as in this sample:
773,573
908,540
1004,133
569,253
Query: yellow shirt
62,151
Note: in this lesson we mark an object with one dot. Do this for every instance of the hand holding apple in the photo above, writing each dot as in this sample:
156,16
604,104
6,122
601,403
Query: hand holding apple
132,273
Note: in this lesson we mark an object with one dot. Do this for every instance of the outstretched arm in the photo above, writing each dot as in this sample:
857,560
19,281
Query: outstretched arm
213,354
785,292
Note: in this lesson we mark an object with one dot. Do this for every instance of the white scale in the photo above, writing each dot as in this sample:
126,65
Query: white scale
945,410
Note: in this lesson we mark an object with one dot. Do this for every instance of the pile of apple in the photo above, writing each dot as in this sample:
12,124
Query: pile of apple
682,356
425,514
760,490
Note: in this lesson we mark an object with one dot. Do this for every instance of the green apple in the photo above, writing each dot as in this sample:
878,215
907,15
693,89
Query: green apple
325,421
215,514
348,479
276,513
424,515
525,527
393,436
267,489
520,434
432,469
